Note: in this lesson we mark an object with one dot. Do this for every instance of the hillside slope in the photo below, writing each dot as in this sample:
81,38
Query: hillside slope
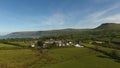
109,26
105,26
46,33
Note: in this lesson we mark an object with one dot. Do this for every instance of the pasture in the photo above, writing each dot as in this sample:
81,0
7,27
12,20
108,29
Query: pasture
55,58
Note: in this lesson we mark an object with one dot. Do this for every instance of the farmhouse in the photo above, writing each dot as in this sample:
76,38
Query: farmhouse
78,45
60,43
33,45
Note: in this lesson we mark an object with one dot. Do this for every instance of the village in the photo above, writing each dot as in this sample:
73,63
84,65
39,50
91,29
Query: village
58,43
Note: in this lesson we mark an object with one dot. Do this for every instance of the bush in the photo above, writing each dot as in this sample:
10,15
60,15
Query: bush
40,44
115,54
53,45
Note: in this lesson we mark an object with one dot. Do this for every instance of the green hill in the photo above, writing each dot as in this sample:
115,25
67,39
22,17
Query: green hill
105,26
46,33
109,26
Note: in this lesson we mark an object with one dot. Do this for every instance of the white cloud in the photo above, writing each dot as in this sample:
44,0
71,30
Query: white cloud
99,1
99,16
55,19
103,12
4,33
112,19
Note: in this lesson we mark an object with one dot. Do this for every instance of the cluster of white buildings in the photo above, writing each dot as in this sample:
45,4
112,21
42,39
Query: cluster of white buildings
62,43
59,43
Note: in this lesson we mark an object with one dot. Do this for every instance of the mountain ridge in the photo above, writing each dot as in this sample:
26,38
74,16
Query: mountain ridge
109,26
104,26
45,33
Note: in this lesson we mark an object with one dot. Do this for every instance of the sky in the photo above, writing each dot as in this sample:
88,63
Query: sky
35,15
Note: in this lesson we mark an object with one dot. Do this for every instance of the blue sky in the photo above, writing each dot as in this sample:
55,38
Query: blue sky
34,15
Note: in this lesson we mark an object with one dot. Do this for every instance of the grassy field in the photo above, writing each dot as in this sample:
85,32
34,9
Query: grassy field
78,58
20,43
108,50
21,58
6,45
55,58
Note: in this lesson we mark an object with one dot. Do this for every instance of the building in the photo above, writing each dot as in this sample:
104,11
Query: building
33,45
78,45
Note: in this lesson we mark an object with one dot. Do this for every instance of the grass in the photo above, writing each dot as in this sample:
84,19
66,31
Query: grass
20,58
55,58
108,50
13,45
78,58
20,43
6,45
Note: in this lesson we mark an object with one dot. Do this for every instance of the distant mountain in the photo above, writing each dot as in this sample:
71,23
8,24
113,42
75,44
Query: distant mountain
109,26
45,33
33,34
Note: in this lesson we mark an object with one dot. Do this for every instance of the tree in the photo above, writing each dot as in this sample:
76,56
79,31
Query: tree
40,44
115,54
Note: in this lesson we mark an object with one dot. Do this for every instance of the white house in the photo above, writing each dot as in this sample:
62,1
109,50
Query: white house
61,43
78,45
32,45
67,44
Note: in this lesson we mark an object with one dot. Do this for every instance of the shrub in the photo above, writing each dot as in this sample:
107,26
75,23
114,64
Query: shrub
40,44
115,54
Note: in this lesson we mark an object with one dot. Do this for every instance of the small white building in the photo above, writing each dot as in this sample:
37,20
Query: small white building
67,44
32,45
78,45
61,43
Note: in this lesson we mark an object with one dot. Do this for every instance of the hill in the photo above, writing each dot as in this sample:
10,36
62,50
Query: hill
45,33
109,26
33,34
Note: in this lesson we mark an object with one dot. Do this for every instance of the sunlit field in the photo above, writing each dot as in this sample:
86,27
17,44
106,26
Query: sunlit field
55,58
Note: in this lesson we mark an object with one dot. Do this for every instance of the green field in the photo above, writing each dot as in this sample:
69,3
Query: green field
81,58
108,50
55,58
19,58
6,45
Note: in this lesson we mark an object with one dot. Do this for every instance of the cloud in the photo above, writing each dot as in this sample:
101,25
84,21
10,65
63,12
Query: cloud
100,17
100,1
55,19
4,33
112,19
102,12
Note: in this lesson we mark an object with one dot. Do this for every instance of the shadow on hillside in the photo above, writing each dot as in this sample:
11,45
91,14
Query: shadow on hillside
103,56
115,58
117,61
